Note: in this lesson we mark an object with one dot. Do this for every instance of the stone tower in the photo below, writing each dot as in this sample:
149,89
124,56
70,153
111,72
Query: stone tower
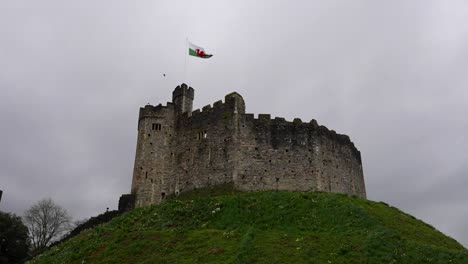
182,97
154,155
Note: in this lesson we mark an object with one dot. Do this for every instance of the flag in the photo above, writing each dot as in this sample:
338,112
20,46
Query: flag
197,51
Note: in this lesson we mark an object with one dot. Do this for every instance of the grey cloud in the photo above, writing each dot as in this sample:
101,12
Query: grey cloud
389,74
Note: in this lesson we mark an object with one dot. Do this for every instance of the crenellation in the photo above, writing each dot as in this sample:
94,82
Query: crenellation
179,149
206,108
264,117
218,104
297,121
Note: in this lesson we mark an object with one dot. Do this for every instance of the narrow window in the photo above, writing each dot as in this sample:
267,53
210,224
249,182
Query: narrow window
156,126
163,195
202,134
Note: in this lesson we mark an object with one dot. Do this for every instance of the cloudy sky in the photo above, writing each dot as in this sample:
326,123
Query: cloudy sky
393,75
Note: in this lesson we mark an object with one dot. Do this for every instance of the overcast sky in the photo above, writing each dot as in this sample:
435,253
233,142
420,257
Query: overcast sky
393,75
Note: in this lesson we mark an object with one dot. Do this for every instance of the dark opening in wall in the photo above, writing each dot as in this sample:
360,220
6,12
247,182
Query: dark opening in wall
163,195
146,175
151,143
270,161
156,126
243,177
151,180
256,148
202,135
149,135
287,150
277,179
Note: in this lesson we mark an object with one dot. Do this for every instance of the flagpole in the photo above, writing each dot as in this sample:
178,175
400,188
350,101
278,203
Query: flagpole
185,63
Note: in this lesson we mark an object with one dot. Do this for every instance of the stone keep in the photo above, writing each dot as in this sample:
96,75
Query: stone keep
179,149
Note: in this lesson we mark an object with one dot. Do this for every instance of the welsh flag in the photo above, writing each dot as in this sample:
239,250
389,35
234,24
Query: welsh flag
197,51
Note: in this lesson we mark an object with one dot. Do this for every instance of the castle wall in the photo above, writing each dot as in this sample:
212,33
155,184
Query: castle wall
182,150
296,156
206,152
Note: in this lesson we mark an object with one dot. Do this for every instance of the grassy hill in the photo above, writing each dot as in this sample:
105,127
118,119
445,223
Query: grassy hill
261,227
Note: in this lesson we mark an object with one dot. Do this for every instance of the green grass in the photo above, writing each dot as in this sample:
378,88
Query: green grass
224,226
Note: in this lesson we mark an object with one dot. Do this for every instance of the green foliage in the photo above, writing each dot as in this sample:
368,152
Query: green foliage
210,226
14,242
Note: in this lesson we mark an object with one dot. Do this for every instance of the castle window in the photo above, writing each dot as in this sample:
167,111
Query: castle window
163,195
156,126
202,134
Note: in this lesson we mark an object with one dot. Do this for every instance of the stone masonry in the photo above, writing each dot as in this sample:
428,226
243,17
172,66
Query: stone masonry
179,149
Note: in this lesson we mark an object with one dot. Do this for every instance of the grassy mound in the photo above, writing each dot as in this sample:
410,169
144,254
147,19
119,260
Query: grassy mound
262,227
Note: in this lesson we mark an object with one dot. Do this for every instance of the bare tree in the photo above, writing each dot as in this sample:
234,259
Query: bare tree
46,222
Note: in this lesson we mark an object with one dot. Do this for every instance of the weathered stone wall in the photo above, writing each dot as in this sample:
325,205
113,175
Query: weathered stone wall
221,144
296,156
152,172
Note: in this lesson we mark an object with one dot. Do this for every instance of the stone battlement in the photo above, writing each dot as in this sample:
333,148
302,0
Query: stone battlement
179,149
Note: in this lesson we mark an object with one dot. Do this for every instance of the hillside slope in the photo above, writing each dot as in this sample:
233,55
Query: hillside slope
262,227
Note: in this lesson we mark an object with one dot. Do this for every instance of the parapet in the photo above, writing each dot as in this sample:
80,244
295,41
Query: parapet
158,110
183,90
297,127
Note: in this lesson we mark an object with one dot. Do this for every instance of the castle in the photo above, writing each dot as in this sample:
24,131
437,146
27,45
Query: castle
179,149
